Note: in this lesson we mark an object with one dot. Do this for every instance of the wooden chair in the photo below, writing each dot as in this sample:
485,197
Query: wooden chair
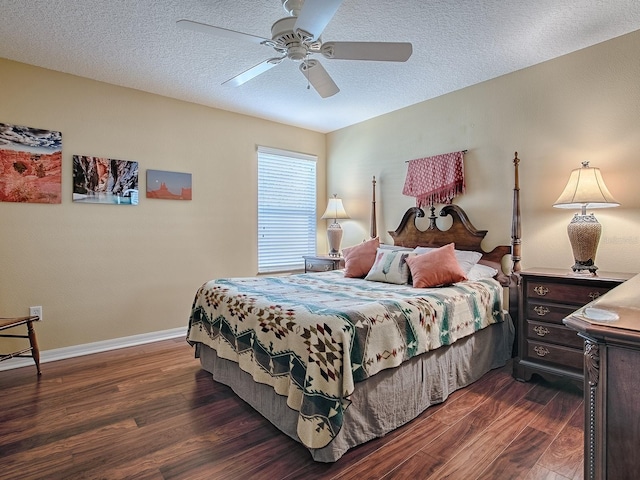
33,350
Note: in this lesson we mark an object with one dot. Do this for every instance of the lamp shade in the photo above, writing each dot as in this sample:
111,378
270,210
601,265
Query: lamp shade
586,189
335,209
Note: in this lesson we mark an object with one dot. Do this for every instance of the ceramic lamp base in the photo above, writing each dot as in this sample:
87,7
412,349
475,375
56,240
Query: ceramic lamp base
584,234
334,236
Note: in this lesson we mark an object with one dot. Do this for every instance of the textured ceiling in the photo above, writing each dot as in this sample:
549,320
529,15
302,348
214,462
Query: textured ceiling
456,43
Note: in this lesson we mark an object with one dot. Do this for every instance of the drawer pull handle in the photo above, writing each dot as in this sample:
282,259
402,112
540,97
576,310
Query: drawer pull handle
541,311
541,351
541,290
541,331
318,268
594,295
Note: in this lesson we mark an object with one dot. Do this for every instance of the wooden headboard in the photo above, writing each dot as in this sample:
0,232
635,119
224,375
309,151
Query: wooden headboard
462,233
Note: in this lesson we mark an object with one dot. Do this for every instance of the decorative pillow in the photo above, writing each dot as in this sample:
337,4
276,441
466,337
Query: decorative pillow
390,266
435,268
359,259
479,271
466,258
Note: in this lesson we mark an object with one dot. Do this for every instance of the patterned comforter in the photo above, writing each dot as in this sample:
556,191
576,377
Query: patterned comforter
313,336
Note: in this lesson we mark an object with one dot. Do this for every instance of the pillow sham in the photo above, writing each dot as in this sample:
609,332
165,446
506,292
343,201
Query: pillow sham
466,258
504,279
480,271
435,268
386,246
359,259
390,266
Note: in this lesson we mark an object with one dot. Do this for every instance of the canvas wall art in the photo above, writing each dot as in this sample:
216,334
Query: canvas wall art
105,180
30,164
168,185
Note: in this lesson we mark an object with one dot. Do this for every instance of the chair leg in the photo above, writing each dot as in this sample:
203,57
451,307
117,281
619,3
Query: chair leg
34,345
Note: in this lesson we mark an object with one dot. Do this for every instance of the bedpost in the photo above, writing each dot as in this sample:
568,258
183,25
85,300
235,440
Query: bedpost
374,228
514,288
515,221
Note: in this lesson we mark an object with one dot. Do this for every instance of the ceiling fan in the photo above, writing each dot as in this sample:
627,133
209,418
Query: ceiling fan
297,37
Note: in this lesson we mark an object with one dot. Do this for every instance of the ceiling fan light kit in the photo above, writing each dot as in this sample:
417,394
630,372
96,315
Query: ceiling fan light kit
297,37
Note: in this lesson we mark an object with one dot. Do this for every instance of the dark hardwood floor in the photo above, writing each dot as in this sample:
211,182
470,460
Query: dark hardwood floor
150,412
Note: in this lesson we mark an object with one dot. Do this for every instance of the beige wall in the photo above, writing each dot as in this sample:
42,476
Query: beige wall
583,106
103,272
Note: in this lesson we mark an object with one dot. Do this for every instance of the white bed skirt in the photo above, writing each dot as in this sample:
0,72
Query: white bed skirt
386,400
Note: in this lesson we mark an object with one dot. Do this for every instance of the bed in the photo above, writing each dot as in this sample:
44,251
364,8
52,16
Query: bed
334,362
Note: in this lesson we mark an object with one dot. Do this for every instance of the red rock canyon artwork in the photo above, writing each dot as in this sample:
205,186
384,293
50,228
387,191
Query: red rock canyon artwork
168,185
30,164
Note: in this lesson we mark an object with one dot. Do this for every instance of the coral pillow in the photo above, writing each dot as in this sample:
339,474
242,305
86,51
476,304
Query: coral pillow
438,267
359,259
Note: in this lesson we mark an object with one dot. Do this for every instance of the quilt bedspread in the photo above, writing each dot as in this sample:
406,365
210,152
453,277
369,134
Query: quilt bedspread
313,336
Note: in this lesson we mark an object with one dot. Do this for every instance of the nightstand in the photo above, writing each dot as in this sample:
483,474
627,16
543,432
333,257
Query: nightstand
545,345
321,263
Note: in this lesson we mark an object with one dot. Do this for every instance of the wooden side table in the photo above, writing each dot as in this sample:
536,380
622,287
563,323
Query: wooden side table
545,345
321,263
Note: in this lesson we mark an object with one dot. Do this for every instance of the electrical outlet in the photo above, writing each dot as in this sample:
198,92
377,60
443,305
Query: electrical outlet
36,311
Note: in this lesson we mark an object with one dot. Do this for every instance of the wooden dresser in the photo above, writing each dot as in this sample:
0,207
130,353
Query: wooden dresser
321,263
610,327
545,346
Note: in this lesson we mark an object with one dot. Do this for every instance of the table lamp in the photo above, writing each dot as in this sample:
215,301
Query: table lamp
335,210
585,189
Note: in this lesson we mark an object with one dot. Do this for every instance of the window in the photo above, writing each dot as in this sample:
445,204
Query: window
286,209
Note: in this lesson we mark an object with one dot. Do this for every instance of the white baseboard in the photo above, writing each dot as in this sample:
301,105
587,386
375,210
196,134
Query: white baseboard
95,347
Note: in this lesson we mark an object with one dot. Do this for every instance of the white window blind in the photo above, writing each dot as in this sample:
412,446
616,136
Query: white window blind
286,209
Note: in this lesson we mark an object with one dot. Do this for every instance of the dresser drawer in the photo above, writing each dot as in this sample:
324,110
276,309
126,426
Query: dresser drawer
537,311
555,354
321,264
557,334
318,266
564,293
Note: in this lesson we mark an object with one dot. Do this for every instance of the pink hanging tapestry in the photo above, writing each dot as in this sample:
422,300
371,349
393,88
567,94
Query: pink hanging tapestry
435,179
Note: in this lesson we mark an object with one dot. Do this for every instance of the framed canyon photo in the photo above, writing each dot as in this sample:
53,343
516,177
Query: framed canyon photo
30,164
105,180
168,185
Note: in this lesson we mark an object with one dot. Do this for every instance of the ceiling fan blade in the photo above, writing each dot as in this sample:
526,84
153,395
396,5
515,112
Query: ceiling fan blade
319,79
316,15
253,72
377,51
220,32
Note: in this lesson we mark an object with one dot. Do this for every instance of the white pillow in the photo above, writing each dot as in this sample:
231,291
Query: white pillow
480,271
385,246
466,258
390,266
